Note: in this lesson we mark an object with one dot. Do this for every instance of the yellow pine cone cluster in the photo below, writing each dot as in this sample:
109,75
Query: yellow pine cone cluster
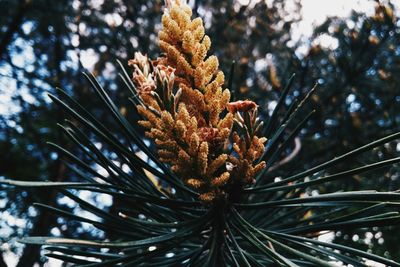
184,109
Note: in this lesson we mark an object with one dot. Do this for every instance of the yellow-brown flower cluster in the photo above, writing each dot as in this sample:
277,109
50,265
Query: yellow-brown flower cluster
185,109
247,145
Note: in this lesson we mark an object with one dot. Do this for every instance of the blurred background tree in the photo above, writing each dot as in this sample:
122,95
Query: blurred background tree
47,44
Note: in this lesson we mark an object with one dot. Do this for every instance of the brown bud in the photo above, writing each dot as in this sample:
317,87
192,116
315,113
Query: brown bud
241,106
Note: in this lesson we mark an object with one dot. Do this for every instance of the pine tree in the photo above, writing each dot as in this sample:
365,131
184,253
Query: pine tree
213,197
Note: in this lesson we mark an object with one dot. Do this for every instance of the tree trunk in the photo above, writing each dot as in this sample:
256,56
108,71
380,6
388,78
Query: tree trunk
2,262
46,219
44,222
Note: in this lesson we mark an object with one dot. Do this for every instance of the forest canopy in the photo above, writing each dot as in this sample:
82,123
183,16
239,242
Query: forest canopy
45,45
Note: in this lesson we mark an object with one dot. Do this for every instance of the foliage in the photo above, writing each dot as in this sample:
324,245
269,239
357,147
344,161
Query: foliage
244,33
274,221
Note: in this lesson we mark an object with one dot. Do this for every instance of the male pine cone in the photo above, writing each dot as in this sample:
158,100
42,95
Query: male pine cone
185,109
